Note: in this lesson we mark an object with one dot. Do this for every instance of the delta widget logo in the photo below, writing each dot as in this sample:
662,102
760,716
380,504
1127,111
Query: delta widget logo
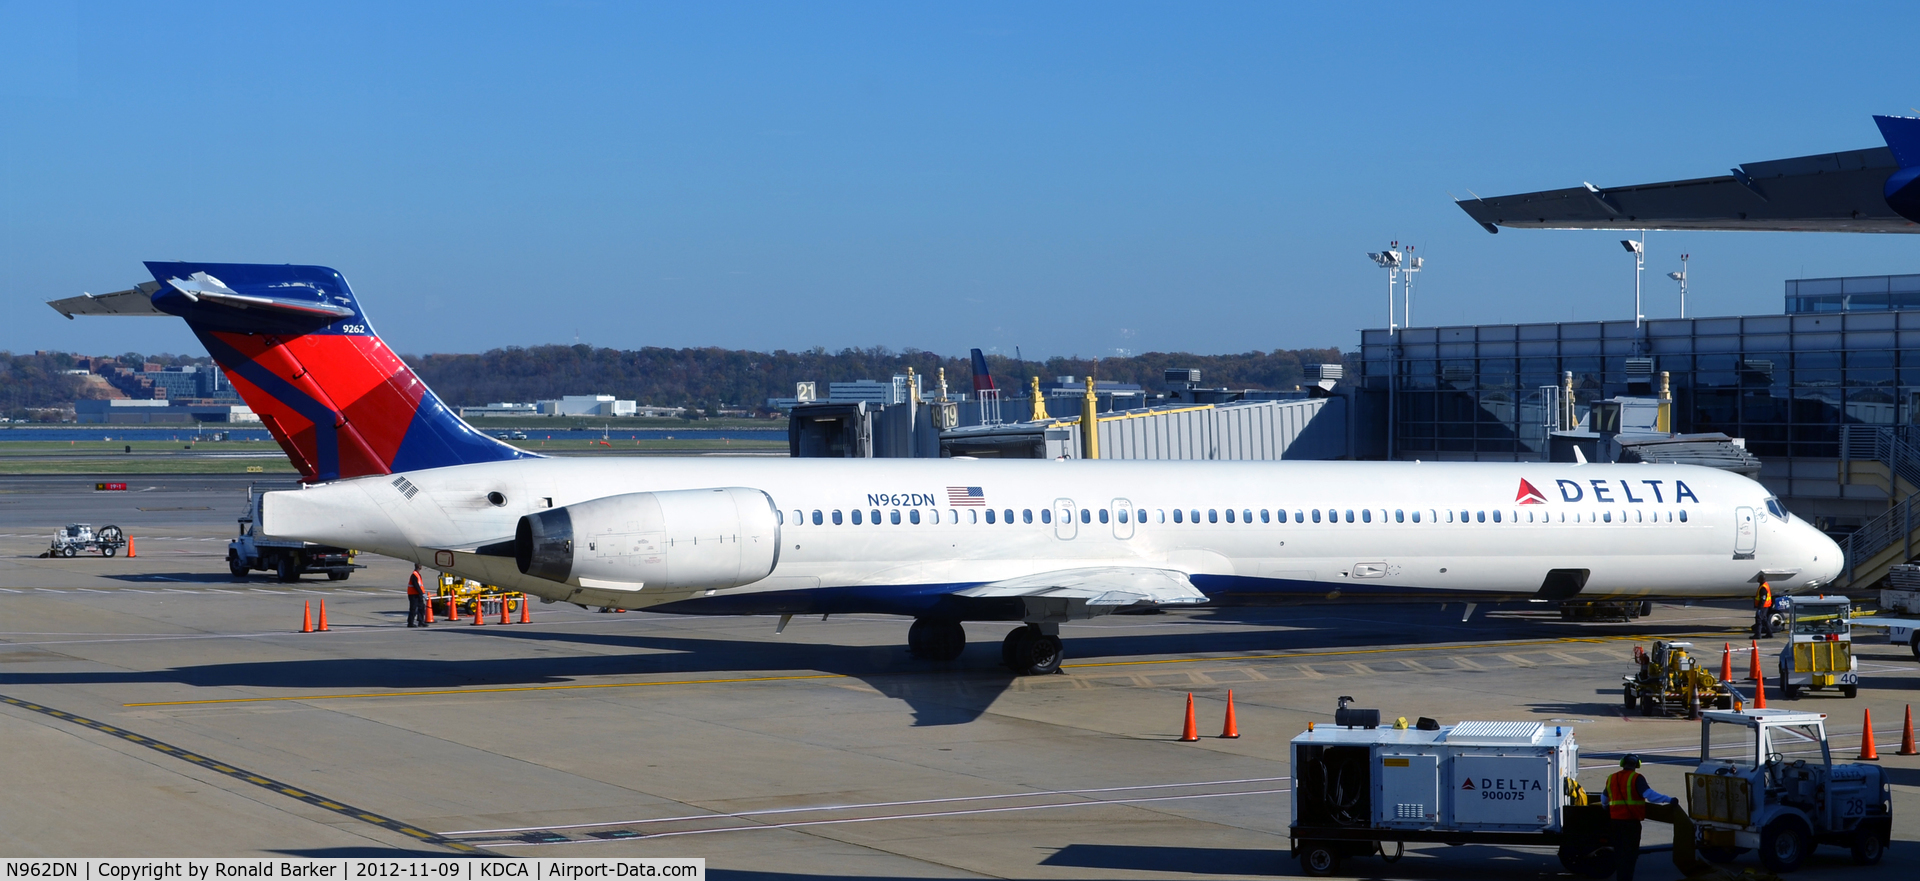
1527,495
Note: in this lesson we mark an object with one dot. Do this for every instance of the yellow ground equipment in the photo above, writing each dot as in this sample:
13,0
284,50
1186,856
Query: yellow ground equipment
457,597
1819,649
1671,682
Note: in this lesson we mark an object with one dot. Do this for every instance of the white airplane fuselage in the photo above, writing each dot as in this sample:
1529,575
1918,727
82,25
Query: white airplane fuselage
1248,531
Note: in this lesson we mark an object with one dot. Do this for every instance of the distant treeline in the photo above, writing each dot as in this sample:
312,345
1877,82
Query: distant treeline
39,381
711,377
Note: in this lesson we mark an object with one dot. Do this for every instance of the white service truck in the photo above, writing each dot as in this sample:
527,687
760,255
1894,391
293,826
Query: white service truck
1767,782
1818,653
288,560
1899,609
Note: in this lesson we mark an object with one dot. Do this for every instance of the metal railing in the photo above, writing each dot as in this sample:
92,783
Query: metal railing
1898,449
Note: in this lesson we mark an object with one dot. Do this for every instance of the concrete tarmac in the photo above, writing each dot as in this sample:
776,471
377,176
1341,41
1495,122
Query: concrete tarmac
196,721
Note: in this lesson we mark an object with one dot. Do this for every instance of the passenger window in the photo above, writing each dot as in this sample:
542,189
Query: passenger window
1103,515
1246,515
1229,515
856,516
1300,518
1026,515
913,516
799,518
894,516
1496,516
1608,515
1213,515
1193,514
953,515
876,517
1316,515
1264,515
1638,517
1160,514
1177,515
973,515
1449,516
1008,514
1046,515
1086,516
1416,516
779,516
816,517
1349,515
1123,515
989,515
1683,515
1366,515
836,516
1399,515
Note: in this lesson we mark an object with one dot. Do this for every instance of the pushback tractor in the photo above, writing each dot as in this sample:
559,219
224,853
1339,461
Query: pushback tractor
1819,650
1767,782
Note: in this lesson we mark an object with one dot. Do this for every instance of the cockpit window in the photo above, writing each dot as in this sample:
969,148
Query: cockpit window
1776,509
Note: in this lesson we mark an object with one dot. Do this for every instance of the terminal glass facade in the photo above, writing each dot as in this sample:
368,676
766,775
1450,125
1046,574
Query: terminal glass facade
1864,293
1786,383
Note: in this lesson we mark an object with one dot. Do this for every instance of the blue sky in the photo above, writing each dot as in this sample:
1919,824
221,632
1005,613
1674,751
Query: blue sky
1070,178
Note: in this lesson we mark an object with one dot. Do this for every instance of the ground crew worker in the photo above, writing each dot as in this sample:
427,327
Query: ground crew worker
1763,612
416,600
1627,798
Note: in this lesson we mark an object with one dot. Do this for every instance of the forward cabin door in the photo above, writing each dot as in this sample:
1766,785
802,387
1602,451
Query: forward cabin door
1743,533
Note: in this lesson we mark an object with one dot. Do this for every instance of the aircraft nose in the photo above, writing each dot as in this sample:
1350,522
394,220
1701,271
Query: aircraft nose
1826,561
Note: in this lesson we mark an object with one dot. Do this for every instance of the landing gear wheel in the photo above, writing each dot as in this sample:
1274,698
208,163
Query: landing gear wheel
1028,652
1784,845
1319,860
936,640
287,571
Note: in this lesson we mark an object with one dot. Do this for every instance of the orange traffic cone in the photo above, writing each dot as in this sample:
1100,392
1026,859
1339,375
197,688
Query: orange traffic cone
1868,752
503,611
1231,731
131,550
1753,665
323,617
523,610
1760,694
1726,662
477,620
1191,732
429,605
306,617
1906,736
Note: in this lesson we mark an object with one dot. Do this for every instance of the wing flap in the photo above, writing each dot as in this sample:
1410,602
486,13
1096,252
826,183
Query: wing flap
1097,586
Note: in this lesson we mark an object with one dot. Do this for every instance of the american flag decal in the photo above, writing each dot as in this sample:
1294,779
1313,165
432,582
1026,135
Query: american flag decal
966,496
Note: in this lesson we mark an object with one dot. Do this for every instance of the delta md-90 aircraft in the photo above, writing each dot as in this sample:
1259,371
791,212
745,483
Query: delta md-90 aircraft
390,469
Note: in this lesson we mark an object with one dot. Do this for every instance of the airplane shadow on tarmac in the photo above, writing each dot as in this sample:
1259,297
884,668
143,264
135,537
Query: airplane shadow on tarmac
950,693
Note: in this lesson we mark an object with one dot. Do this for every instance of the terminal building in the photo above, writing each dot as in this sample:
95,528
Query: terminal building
1805,390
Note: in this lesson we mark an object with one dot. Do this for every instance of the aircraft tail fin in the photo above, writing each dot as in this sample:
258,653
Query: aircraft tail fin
981,378
299,351
1902,189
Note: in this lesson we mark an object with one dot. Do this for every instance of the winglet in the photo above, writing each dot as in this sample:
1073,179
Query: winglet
1903,138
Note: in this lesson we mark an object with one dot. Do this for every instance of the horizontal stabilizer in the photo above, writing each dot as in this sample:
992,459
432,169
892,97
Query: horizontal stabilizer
203,288
137,300
1099,586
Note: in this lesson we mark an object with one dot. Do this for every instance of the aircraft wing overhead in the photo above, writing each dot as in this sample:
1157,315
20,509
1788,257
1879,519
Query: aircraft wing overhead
1830,192
1097,586
137,300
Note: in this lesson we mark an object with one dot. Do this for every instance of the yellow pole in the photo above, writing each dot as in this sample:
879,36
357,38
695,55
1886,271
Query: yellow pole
1664,421
1090,424
1039,403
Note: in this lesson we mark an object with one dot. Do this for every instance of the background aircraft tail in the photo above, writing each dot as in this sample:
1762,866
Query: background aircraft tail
981,378
1902,134
299,351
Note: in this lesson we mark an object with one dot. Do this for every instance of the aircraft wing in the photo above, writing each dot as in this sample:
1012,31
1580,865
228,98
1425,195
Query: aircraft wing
137,300
1097,586
1830,192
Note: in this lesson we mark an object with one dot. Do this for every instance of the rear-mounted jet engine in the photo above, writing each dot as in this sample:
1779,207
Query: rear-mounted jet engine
669,542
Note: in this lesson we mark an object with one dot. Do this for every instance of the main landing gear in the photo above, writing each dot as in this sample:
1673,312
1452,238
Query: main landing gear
1030,650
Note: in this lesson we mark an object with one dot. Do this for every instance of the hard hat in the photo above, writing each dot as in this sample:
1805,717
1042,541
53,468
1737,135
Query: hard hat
1629,761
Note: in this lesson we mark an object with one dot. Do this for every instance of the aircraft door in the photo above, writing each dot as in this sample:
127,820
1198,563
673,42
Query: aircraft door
1123,516
1064,526
1743,533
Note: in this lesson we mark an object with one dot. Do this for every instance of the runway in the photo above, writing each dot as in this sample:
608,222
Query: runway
821,752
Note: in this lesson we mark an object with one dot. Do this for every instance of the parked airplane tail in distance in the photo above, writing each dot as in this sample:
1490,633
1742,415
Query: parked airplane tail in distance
981,378
298,350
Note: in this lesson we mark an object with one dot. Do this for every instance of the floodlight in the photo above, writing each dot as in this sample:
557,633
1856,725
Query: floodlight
1677,276
1631,245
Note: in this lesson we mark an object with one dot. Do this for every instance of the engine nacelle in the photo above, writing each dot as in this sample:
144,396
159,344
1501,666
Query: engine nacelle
671,542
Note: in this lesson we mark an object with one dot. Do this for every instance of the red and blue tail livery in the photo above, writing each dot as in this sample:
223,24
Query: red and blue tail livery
297,348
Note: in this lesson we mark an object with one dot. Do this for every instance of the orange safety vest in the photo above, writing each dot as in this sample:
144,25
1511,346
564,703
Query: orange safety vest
1763,598
1622,804
414,587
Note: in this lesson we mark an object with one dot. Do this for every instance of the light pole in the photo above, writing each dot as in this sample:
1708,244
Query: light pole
1639,251
1406,287
1389,260
1681,277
